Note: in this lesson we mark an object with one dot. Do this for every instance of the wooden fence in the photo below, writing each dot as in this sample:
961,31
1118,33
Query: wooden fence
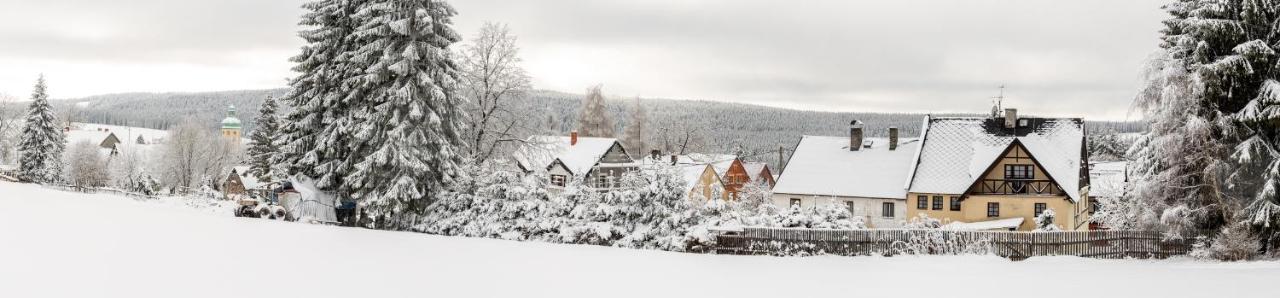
1015,245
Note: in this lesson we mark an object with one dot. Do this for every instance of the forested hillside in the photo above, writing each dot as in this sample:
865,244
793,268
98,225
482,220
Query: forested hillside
721,127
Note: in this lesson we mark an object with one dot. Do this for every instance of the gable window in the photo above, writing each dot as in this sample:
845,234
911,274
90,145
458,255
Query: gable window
937,202
922,202
886,210
557,180
955,203
795,202
993,209
1019,172
1040,207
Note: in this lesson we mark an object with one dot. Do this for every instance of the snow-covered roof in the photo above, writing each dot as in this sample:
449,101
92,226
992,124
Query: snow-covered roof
92,136
249,181
540,151
957,150
719,162
825,166
1108,179
754,168
692,174
990,225
125,133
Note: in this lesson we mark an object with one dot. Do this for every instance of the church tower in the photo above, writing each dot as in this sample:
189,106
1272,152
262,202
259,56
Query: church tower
231,126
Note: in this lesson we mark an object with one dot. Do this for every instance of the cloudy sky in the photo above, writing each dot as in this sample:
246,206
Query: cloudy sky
1063,58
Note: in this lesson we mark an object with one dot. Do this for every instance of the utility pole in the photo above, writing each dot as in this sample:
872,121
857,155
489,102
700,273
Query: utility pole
781,152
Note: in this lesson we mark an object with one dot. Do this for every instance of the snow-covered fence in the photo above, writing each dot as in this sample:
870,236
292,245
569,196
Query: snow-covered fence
1017,245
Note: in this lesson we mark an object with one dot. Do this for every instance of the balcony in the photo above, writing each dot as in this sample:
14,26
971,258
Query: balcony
1018,187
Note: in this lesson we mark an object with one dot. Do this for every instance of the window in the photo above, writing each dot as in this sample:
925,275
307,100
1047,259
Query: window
557,180
852,208
1040,208
1019,172
993,209
922,202
937,202
795,202
955,203
886,210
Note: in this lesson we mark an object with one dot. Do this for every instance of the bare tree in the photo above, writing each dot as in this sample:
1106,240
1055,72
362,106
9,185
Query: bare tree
194,155
637,129
593,119
680,139
10,121
492,78
86,168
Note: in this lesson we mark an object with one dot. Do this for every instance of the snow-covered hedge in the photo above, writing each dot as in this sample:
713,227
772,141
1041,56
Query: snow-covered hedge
652,211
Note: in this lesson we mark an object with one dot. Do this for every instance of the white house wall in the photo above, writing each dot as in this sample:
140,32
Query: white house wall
867,208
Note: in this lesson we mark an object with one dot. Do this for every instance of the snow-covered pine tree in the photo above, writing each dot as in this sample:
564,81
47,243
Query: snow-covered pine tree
42,142
316,135
408,141
633,136
593,119
266,141
1209,95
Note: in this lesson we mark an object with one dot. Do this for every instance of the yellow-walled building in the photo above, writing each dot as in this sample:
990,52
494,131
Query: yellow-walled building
1001,172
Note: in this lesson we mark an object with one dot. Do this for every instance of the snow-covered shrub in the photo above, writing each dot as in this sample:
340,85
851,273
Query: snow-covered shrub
1233,243
922,221
928,238
1045,222
85,167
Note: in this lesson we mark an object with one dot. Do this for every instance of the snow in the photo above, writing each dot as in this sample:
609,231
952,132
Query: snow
1108,179
958,149
540,151
825,166
94,245
126,134
990,225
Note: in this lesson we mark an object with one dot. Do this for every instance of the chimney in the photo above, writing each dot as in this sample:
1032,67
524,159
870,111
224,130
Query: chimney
893,138
855,135
1010,118
573,138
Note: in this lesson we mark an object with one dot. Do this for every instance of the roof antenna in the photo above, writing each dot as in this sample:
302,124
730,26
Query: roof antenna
998,102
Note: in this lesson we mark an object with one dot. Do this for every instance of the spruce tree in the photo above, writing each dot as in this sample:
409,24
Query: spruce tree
408,142
634,134
593,119
316,134
1210,157
41,142
266,141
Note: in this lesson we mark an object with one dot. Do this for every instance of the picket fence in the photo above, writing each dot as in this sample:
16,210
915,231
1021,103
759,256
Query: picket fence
1014,245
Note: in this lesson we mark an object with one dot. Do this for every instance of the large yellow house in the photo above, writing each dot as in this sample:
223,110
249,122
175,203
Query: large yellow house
1000,173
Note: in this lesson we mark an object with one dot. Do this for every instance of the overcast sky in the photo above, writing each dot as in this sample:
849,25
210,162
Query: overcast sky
1063,58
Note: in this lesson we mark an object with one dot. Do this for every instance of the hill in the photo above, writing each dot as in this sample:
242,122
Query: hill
721,127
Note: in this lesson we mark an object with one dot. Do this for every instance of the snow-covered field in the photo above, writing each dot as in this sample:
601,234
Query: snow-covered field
63,244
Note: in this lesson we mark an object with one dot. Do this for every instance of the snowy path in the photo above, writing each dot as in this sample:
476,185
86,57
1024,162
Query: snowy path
61,244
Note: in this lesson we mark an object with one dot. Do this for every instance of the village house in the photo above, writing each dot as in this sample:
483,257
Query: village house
596,162
867,175
759,172
733,173
1001,172
240,183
